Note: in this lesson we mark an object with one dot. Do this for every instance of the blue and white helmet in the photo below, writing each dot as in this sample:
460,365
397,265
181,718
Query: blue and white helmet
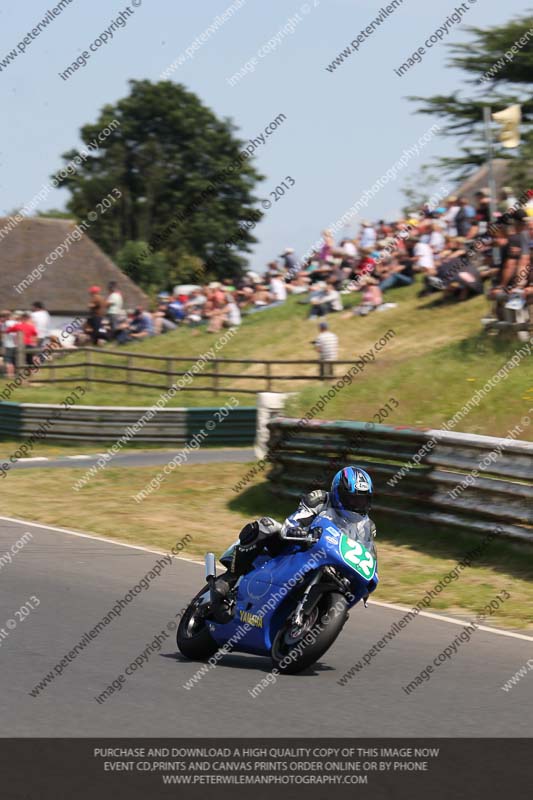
351,490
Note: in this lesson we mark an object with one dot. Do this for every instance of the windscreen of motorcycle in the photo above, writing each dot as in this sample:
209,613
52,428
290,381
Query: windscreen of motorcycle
356,543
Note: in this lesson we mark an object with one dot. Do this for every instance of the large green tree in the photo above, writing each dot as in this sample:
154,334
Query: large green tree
186,186
497,77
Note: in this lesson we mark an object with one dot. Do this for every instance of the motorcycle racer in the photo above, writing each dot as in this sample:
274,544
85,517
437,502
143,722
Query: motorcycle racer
351,492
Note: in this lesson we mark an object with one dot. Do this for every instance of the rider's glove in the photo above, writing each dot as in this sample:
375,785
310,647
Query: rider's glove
298,533
260,529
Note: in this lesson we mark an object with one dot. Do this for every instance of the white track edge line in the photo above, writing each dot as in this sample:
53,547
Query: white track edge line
394,606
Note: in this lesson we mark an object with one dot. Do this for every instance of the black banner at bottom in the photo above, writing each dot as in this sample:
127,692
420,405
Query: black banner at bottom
39,769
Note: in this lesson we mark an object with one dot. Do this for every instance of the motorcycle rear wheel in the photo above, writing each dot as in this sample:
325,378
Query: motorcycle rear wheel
322,627
192,637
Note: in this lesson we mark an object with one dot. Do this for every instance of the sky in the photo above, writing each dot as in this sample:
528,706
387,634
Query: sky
343,129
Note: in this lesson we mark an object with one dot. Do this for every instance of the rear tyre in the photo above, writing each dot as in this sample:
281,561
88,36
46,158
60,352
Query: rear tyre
193,638
297,647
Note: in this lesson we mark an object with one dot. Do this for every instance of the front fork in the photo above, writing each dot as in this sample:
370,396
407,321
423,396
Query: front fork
299,611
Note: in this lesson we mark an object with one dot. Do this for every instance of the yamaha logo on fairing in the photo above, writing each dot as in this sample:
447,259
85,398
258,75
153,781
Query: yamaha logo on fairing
251,619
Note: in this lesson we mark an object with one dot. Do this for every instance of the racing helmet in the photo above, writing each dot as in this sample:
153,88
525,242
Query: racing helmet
351,490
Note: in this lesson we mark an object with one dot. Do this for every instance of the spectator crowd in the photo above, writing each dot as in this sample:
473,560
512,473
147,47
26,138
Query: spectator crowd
456,251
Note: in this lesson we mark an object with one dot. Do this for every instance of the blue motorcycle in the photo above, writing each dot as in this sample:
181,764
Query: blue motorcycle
291,606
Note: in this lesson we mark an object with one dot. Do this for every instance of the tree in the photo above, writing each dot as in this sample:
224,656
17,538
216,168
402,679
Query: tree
177,180
500,70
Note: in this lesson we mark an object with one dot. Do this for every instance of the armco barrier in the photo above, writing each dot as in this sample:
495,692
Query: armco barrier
307,456
99,424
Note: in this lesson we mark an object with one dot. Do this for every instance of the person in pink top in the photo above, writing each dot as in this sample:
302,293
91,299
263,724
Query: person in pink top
372,297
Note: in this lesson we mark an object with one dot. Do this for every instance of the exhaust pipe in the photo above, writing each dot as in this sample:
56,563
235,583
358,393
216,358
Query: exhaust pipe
211,574
210,566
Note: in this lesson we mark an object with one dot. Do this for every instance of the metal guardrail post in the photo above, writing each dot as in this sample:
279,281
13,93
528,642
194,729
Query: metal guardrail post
268,376
216,377
20,355
88,365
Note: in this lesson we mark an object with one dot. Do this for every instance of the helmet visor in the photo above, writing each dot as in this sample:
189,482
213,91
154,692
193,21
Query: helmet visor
360,502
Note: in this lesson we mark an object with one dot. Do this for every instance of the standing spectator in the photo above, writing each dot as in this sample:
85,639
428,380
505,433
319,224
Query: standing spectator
452,209
328,243
327,345
290,261
465,218
41,319
9,341
483,210
368,235
97,309
29,334
115,306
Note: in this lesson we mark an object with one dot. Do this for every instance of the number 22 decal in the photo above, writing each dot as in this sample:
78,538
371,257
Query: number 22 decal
357,557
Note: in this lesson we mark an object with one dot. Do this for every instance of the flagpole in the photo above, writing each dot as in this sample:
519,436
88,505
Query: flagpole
492,182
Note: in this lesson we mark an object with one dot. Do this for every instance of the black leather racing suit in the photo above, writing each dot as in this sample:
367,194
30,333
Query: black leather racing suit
265,532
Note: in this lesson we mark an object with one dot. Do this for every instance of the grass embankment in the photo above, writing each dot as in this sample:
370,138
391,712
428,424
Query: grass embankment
436,361
200,501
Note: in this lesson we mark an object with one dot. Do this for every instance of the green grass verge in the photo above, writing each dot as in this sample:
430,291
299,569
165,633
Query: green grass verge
436,361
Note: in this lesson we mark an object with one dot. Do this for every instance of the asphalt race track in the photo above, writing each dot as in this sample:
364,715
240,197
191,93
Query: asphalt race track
140,458
78,579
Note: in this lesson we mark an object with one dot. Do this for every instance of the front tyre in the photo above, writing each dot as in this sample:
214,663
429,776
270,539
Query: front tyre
297,647
193,638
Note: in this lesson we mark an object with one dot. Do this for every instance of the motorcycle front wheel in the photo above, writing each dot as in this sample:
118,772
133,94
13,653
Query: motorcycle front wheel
296,647
193,638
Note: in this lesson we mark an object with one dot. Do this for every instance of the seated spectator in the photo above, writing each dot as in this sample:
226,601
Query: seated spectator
396,274
436,238
349,249
277,287
194,307
261,296
367,264
233,313
160,320
176,310
372,298
327,300
507,200
141,326
422,258
216,312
